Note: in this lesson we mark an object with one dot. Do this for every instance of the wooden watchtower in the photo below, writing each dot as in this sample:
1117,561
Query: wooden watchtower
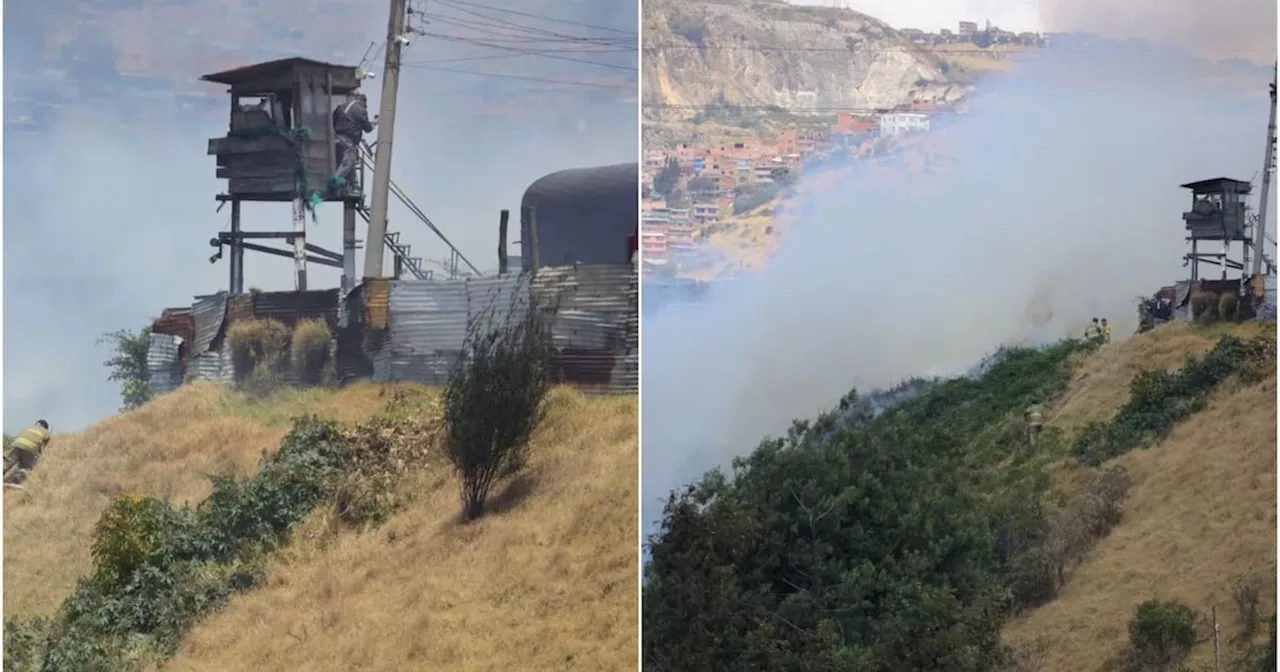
280,148
1219,214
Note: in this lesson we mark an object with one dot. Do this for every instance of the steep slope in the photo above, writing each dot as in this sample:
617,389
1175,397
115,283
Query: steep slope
770,53
1202,511
547,579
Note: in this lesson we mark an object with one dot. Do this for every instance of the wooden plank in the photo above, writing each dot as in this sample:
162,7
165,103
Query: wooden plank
315,151
282,171
268,143
281,158
283,185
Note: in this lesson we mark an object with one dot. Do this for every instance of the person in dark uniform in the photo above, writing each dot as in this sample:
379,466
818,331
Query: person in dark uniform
350,123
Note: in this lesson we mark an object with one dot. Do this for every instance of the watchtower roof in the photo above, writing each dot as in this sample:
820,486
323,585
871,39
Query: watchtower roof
246,75
1218,184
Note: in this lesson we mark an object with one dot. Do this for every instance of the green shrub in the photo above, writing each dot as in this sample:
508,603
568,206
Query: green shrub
1158,400
1228,305
1161,634
494,397
158,569
865,540
1204,308
259,353
310,353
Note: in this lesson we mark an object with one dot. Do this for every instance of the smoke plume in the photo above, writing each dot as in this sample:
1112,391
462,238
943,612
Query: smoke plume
1054,201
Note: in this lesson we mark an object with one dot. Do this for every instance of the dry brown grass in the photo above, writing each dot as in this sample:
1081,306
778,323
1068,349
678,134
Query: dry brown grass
548,581
1101,381
1202,510
164,449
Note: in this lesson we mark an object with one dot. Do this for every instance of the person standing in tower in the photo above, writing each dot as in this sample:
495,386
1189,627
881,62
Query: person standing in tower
350,123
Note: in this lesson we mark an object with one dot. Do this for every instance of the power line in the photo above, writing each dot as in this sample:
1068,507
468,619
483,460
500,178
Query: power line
500,27
523,35
452,3
529,52
526,78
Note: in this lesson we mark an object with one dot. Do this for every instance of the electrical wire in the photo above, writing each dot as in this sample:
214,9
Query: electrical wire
453,3
530,52
527,78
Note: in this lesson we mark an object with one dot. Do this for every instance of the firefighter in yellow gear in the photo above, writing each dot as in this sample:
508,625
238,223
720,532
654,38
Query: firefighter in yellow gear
1093,331
1106,331
24,451
1035,422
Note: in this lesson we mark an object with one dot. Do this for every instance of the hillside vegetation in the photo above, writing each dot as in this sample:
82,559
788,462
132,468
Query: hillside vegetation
938,535
546,578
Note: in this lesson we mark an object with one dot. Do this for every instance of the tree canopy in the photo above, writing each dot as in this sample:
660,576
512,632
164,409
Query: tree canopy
868,539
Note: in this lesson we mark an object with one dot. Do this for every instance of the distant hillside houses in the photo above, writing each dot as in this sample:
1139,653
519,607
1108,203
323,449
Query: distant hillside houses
968,32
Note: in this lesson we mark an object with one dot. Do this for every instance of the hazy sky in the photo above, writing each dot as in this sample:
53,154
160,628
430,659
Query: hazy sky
1211,28
105,225
932,15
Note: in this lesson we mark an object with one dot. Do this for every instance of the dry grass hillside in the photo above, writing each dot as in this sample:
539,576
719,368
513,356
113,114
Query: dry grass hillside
1202,511
547,580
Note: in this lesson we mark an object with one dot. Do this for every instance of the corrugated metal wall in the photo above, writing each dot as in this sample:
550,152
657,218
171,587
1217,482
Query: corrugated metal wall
1268,309
164,363
414,331
595,328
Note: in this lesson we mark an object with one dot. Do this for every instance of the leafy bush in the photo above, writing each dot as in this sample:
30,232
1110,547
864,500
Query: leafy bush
158,568
310,353
494,397
1204,308
128,365
1158,400
1161,634
259,353
1228,306
876,537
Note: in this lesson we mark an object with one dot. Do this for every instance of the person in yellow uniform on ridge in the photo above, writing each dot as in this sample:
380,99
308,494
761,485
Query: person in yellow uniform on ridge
1106,331
25,452
1092,331
1035,421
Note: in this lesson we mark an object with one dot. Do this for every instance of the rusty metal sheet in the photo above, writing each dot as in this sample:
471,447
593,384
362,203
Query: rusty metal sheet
164,363
290,308
239,308
210,317
178,322
376,306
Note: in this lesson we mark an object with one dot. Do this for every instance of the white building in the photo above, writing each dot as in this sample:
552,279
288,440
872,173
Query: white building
900,123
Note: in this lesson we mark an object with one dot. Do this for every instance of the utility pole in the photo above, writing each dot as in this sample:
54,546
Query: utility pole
1260,230
382,149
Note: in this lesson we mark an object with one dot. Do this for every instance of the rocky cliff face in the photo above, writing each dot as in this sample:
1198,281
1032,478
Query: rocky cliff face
766,53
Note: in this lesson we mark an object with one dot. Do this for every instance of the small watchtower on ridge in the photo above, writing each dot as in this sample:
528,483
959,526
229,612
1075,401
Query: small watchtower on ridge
279,147
281,127
1219,214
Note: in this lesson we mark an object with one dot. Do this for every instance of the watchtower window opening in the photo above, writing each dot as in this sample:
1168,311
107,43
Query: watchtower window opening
265,110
